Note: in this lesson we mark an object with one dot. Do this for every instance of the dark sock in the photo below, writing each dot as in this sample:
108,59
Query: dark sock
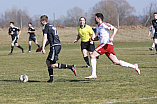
86,60
12,48
20,47
156,47
29,47
50,70
38,45
64,66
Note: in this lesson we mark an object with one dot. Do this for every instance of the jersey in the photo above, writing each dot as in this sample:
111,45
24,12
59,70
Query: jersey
154,23
103,33
152,30
31,29
52,34
85,33
14,30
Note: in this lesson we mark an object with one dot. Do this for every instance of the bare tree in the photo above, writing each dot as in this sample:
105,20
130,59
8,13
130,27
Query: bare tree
115,11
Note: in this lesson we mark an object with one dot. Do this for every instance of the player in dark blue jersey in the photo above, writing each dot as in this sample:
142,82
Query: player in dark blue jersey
32,36
15,36
50,34
154,23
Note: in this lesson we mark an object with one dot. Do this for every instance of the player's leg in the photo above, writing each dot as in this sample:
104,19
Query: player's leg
93,64
155,41
115,61
29,43
50,71
12,48
85,56
17,45
153,45
35,41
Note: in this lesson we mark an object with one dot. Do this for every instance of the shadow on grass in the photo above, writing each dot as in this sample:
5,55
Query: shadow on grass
18,81
66,80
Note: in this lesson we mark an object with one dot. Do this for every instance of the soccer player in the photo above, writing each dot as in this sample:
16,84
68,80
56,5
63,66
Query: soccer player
106,45
13,32
153,31
32,36
85,32
154,23
50,34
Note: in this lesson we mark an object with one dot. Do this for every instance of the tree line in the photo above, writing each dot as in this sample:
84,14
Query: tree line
116,12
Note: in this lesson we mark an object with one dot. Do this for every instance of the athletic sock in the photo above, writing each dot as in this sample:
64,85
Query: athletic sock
38,45
50,70
87,60
153,45
64,66
93,64
156,47
29,47
12,48
125,64
20,47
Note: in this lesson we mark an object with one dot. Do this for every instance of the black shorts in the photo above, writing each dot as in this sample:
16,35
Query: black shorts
33,38
14,39
53,54
89,47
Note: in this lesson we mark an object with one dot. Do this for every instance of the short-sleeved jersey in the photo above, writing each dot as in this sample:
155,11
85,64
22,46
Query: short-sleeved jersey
154,23
52,34
31,29
85,33
152,30
103,33
14,30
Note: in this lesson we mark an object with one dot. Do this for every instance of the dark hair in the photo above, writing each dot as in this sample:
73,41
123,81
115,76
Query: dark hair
155,12
100,15
44,17
30,23
84,19
12,23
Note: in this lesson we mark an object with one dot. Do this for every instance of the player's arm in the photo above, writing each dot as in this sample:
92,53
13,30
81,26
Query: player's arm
44,43
78,37
96,38
113,34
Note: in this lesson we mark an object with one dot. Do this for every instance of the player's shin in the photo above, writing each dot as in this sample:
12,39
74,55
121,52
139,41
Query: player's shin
125,64
64,66
50,70
93,64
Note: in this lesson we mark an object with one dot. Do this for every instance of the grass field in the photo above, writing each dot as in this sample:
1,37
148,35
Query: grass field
115,84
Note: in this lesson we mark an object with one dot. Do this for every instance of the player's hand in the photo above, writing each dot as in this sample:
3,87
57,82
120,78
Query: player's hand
74,41
111,40
39,49
43,51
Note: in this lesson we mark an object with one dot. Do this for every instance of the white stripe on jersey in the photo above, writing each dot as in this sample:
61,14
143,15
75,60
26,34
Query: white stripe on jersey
103,33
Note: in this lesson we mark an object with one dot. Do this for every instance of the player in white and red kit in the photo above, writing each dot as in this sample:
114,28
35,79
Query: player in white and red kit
106,45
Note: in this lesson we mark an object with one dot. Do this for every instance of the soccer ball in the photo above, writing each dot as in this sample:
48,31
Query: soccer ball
23,78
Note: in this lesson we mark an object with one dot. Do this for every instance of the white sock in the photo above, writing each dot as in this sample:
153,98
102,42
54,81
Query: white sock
93,64
153,45
125,64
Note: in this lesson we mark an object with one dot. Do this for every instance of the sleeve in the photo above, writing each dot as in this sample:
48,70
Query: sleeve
108,26
90,31
17,29
9,31
32,29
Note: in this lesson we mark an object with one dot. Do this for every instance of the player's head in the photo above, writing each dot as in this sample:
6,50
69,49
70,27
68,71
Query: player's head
29,24
44,19
99,18
11,24
82,21
155,15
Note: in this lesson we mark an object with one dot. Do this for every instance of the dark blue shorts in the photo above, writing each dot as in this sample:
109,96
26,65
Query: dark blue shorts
53,54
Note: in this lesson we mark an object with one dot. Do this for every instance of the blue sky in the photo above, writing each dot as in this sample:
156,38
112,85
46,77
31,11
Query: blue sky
60,7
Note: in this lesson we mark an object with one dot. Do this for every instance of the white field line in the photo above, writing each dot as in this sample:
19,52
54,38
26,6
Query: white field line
109,102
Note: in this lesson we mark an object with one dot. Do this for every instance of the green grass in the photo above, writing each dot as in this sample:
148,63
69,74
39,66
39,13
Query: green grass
115,84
